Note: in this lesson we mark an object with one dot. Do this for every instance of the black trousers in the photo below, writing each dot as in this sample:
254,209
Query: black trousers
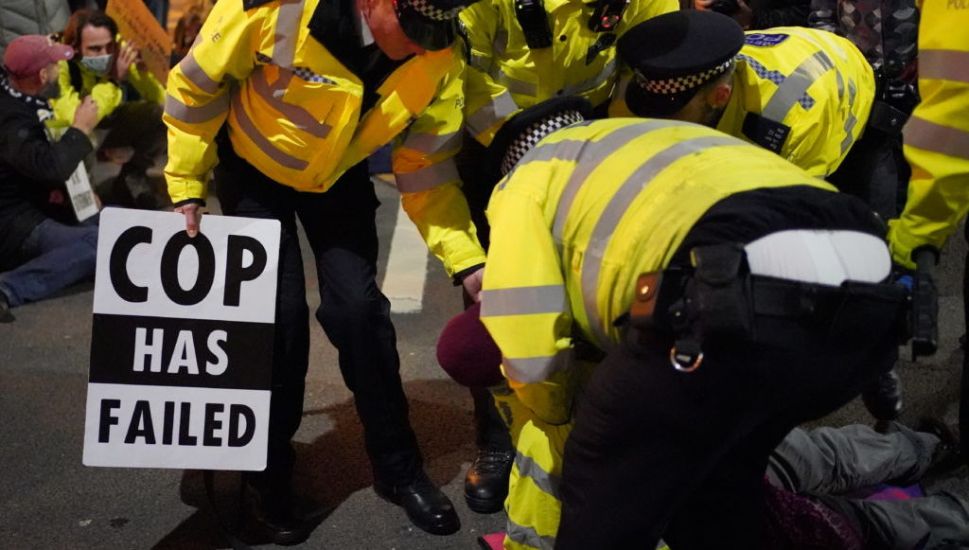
661,453
354,313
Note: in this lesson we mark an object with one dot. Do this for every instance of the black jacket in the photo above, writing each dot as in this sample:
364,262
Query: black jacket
30,167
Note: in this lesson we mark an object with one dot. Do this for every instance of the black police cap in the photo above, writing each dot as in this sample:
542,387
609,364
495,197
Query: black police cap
521,132
673,55
431,24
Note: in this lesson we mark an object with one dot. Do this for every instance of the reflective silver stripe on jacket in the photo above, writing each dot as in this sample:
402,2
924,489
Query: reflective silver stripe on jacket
528,536
618,205
598,151
527,467
937,138
260,141
287,31
500,44
480,62
428,177
190,68
852,119
301,118
590,84
433,143
524,300
174,108
567,150
499,108
794,88
944,65
515,85
529,370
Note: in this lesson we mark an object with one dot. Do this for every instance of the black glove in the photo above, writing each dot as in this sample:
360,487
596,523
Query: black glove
925,303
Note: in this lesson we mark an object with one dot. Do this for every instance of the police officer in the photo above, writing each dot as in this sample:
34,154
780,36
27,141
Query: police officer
680,253
802,93
285,100
521,53
937,147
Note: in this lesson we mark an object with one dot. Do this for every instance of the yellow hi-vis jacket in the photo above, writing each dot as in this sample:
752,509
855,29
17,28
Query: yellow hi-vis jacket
573,225
937,134
505,76
817,83
293,112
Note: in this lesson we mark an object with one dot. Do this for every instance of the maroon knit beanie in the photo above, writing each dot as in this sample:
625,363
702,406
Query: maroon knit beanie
466,351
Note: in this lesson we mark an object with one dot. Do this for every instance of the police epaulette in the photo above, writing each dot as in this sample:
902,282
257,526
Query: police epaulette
249,4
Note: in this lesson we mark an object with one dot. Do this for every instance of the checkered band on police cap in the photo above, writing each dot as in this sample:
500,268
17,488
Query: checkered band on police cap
430,11
534,133
679,84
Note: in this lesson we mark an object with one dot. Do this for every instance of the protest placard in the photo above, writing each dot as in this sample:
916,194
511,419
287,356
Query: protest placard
181,345
138,26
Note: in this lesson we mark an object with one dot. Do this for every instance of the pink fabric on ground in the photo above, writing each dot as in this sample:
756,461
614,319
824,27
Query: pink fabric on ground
495,541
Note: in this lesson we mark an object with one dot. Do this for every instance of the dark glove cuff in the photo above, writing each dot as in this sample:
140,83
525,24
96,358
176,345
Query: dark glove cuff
199,202
460,275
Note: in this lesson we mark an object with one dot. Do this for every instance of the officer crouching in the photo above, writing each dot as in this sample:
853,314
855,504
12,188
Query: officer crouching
734,296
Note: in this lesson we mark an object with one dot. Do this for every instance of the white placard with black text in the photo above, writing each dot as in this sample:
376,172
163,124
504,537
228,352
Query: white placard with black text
181,345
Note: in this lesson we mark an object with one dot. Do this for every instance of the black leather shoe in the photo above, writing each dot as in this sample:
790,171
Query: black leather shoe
486,484
5,315
274,512
426,506
883,398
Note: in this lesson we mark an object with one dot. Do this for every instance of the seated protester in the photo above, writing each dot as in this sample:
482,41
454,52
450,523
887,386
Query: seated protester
820,481
681,415
817,479
38,256
129,100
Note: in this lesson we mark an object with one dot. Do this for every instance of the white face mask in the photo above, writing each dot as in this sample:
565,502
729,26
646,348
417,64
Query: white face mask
97,64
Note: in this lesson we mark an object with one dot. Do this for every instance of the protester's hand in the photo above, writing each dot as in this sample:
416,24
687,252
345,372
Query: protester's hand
127,55
702,5
193,217
472,284
86,116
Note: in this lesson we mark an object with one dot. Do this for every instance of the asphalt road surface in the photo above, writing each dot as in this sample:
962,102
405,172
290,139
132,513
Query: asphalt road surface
48,499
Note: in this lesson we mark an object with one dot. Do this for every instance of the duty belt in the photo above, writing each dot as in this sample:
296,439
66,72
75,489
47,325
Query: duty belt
719,298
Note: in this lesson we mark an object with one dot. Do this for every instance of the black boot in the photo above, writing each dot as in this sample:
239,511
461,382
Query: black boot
275,512
883,398
426,506
486,483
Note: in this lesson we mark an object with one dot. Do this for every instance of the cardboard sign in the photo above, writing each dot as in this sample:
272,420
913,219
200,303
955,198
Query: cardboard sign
181,346
138,26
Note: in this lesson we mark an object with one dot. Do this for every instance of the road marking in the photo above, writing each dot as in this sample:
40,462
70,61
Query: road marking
403,282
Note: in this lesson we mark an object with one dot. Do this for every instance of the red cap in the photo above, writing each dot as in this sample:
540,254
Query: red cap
466,351
27,55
